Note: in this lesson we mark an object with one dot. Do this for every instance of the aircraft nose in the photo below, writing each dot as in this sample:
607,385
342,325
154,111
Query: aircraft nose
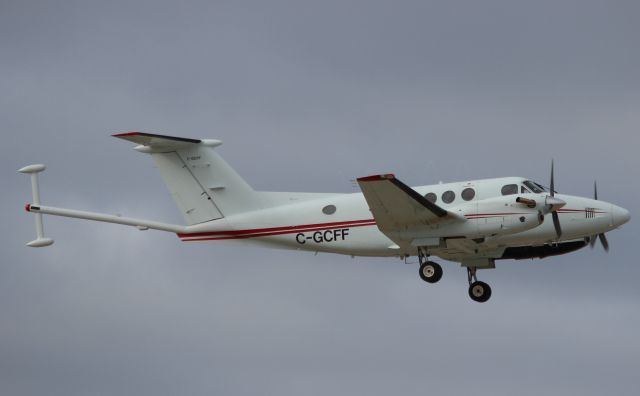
620,215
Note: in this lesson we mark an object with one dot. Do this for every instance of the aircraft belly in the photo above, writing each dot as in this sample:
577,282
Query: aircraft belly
530,252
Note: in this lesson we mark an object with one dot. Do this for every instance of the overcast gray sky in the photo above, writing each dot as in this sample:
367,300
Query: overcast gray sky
306,96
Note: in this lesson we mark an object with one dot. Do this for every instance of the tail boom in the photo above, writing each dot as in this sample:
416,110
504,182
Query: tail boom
130,221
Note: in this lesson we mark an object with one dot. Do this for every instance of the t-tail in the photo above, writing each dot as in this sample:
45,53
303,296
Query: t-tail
202,184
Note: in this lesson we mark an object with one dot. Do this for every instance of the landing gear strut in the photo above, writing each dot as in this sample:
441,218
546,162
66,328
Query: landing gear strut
478,291
430,271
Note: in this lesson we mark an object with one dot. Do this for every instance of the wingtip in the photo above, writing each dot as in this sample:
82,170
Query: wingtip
386,176
126,134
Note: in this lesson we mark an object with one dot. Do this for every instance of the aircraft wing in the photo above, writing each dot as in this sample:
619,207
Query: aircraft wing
397,207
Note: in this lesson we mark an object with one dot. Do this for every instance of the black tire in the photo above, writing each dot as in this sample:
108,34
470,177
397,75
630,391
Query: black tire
430,272
479,291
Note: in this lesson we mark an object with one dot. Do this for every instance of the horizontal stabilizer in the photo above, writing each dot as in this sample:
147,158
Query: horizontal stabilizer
160,143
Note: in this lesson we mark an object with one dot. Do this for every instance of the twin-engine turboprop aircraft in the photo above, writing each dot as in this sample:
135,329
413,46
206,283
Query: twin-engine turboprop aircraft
474,223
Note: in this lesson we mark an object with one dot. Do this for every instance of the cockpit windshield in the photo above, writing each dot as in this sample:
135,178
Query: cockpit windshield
533,186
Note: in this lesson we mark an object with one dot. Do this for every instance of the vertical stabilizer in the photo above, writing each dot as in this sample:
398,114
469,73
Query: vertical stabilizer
202,184
192,198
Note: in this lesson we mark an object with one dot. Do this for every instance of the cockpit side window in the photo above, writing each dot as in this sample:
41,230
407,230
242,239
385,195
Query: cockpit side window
524,190
535,187
509,189
543,188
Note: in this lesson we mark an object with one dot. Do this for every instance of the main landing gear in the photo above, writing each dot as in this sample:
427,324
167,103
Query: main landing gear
430,271
478,291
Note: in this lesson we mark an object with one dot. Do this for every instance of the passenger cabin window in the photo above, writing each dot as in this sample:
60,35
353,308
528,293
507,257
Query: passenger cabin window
468,194
509,189
535,187
329,209
431,197
448,196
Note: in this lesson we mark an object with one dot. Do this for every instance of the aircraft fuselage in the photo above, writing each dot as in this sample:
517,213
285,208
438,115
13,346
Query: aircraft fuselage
494,223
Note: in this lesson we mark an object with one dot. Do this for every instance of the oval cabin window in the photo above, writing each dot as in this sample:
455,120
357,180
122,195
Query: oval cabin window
468,194
431,197
329,209
448,196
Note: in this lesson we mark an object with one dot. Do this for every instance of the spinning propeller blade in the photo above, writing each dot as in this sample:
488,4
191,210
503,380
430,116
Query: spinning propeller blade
605,243
602,237
556,224
551,184
554,207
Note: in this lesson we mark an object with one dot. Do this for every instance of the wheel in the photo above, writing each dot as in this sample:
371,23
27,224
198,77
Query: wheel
479,291
430,272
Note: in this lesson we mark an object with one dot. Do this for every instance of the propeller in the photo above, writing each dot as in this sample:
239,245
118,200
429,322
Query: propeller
554,204
601,236
605,243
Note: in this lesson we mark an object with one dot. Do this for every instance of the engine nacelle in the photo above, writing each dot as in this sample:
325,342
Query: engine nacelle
486,218
508,224
503,215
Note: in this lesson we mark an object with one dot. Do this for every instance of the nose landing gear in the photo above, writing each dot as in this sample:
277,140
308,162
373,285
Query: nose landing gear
478,291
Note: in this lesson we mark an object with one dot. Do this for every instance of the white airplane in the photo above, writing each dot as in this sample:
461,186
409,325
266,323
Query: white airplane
473,223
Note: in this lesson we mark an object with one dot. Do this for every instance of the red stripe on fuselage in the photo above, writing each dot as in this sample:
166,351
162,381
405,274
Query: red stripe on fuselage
226,235
494,214
337,224
577,211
